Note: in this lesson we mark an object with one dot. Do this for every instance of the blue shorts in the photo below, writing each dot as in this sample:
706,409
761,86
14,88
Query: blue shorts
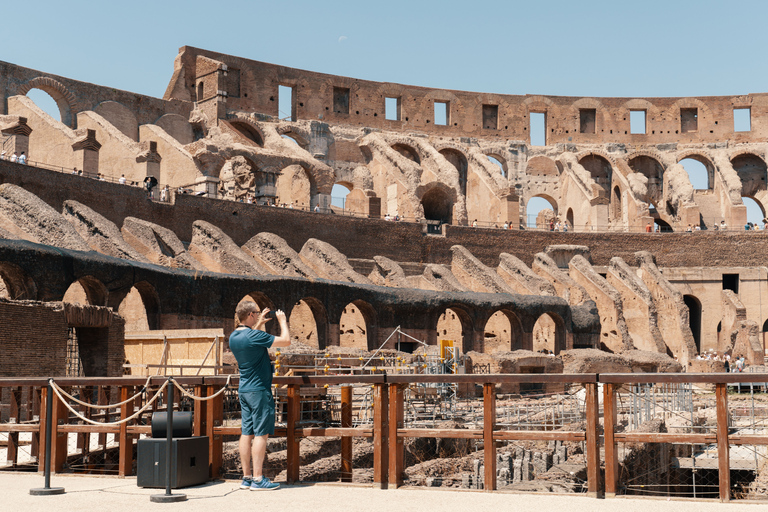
258,413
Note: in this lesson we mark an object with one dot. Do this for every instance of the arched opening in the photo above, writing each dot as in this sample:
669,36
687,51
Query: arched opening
339,194
499,162
46,101
549,334
752,171
755,211
540,211
407,151
437,205
357,326
15,284
503,333
454,324
654,171
700,171
569,219
616,204
294,138
294,187
140,308
86,291
600,169
459,161
262,301
662,225
762,338
543,166
248,132
694,318
309,323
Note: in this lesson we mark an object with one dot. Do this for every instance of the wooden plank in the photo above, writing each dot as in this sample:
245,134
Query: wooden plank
664,437
293,459
333,432
489,444
90,429
611,455
140,429
125,439
723,448
396,447
538,435
12,451
696,378
58,437
42,446
380,435
24,427
346,441
748,439
592,440
495,378
442,433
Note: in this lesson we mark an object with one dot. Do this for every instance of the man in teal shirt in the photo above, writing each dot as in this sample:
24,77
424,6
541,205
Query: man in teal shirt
250,346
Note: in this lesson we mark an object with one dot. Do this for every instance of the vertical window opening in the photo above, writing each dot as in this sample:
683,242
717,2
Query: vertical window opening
538,128
442,116
341,100
689,120
637,122
392,109
587,118
491,117
742,119
285,103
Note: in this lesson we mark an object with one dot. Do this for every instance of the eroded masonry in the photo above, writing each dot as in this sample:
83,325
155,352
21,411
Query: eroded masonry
231,138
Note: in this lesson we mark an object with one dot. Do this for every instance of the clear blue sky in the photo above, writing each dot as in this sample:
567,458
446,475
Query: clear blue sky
589,48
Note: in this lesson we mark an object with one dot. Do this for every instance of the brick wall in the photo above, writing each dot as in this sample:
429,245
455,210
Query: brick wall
33,339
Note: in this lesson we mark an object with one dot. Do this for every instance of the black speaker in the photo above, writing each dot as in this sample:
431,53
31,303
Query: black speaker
189,462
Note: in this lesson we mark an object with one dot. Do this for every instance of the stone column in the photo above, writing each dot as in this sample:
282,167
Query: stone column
17,132
151,158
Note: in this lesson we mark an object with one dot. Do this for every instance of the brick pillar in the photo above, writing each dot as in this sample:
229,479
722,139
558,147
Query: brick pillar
150,158
86,149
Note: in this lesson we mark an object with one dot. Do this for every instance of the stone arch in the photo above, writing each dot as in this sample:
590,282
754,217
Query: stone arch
702,159
549,333
600,167
309,323
63,97
752,171
119,116
704,112
15,283
456,324
177,127
503,332
357,326
295,185
262,301
652,112
541,166
140,308
495,155
87,291
459,160
437,201
648,164
407,151
249,130
540,220
291,132
615,204
569,218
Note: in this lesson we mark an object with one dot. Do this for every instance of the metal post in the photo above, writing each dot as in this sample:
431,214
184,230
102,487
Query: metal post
168,497
48,490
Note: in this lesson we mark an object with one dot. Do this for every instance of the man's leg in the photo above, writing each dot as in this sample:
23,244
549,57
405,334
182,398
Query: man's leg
245,454
259,453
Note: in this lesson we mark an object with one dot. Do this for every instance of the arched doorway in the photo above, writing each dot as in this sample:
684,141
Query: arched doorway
309,323
549,334
357,326
454,324
600,169
459,161
339,194
694,318
294,187
437,205
52,102
86,291
540,210
700,171
503,333
140,308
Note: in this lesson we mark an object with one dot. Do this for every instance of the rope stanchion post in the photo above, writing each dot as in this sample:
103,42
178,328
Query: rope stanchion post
168,497
48,490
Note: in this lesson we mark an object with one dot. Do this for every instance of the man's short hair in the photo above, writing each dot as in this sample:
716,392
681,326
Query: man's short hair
244,309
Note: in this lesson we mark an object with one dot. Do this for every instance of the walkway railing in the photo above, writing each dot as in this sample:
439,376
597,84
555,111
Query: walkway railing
121,398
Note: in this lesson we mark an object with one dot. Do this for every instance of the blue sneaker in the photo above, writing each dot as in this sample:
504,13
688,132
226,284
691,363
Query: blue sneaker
247,481
264,485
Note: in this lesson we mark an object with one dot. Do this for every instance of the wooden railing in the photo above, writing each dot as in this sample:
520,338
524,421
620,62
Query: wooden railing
387,431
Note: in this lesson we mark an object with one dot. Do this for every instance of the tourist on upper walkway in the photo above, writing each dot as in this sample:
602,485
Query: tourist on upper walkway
250,346
122,179
648,228
23,159
723,226
14,157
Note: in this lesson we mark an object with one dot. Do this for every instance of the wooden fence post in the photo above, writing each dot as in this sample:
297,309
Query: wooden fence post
346,441
380,435
609,421
199,415
593,440
13,437
489,445
125,440
396,447
723,448
214,417
293,462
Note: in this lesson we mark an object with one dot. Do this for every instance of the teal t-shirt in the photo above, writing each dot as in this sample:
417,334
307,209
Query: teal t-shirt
249,347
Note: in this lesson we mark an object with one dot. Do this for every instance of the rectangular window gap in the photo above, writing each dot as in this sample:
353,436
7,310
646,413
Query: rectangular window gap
341,100
742,119
392,109
587,118
441,113
285,103
538,129
491,117
689,120
637,122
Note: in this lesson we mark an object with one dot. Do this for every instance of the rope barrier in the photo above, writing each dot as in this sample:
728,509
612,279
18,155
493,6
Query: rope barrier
108,406
58,391
202,398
